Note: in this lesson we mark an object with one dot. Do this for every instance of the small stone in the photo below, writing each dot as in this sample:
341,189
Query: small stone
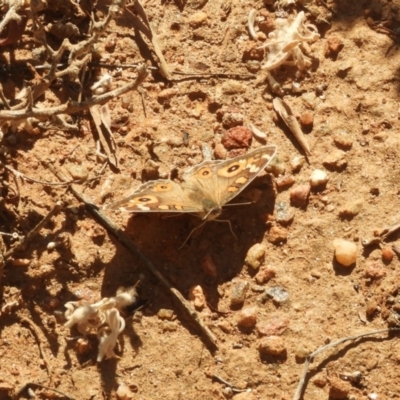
318,178
247,317
244,396
274,326
277,235
252,51
345,252
231,119
21,262
78,172
220,152
351,209
164,313
238,293
303,351
343,140
169,326
307,119
225,326
233,87
198,18
237,137
264,275
284,214
268,25
196,296
374,271
339,389
82,346
175,141
208,266
320,380
371,308
276,167
284,182
336,159
387,254
124,393
296,163
272,345
278,294
167,94
299,195
255,256
333,46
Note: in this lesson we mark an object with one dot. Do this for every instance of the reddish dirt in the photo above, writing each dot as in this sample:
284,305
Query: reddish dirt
349,101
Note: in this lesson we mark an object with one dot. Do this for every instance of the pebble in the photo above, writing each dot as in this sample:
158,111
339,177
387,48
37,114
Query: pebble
247,317
333,46
274,326
244,396
320,380
78,172
278,294
167,94
231,119
238,293
276,167
307,119
196,296
255,256
233,87
345,252
225,326
21,262
164,313
198,18
272,345
374,271
150,170
338,388
277,235
318,178
252,51
82,346
264,275
169,326
296,163
371,308
336,159
387,254
237,137
303,351
299,195
284,214
285,181
343,139
208,266
351,209
220,152
175,141
124,393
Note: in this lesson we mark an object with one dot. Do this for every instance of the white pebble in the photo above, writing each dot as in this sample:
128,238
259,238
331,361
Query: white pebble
345,252
318,178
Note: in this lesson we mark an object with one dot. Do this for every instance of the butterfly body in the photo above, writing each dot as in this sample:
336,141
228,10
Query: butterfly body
205,189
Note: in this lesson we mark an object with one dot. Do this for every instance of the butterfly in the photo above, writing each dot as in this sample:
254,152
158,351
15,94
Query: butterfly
205,189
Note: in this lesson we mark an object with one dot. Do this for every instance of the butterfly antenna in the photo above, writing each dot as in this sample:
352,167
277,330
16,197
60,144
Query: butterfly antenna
230,226
191,232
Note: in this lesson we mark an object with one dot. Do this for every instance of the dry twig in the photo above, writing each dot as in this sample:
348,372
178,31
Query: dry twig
302,380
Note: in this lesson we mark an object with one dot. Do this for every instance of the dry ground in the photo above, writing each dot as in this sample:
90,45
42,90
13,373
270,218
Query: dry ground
352,93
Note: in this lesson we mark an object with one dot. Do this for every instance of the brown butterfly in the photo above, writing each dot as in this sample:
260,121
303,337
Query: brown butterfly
205,189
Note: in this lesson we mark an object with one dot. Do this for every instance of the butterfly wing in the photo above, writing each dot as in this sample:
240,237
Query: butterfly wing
220,181
156,196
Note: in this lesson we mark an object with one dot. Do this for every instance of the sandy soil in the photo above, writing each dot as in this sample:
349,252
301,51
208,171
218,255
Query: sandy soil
348,101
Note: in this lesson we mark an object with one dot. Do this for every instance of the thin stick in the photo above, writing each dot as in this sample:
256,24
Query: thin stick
38,335
73,106
43,387
124,239
308,360
25,239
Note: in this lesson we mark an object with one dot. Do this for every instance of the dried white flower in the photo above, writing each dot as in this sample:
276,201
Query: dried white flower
103,317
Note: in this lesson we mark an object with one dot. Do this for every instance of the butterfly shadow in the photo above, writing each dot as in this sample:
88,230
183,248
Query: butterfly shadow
210,257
